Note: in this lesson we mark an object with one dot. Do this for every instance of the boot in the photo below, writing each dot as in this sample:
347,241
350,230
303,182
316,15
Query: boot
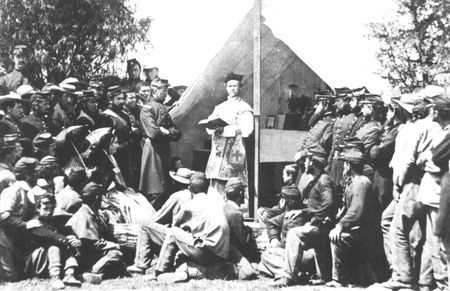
167,259
56,283
70,279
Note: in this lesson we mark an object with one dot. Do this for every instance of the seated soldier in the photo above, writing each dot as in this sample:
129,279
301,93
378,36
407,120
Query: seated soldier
69,198
200,232
290,173
318,195
242,245
100,256
272,259
357,222
152,236
49,251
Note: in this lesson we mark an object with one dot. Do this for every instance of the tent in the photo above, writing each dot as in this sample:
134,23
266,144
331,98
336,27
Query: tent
280,67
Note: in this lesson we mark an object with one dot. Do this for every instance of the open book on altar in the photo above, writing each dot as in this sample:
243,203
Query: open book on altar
213,123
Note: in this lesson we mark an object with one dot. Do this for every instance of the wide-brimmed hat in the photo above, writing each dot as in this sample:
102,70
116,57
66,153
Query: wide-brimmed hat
408,101
182,176
12,96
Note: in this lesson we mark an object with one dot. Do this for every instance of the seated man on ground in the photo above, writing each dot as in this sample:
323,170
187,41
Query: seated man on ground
318,195
243,247
200,233
290,173
151,237
49,251
100,255
277,228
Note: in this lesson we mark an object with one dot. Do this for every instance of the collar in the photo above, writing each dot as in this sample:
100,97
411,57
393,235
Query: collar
233,204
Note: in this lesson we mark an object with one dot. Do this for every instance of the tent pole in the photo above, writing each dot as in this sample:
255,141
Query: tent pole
256,93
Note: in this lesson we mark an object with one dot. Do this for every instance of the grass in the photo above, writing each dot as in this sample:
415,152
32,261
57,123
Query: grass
137,283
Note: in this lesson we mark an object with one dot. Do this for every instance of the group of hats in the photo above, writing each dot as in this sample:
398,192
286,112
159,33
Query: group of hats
430,96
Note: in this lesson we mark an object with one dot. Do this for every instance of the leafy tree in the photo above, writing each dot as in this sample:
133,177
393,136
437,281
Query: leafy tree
414,48
77,38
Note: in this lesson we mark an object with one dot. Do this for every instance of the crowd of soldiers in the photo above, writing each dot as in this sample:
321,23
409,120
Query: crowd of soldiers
371,195
365,202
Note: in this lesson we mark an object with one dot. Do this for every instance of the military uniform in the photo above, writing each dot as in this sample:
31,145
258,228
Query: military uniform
32,125
14,79
341,129
380,156
9,126
369,134
321,133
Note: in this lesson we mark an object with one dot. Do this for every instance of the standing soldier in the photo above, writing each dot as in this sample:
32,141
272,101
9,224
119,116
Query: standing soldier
22,73
158,130
341,129
321,127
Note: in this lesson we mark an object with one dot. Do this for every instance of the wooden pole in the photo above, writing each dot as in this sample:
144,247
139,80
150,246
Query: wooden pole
256,92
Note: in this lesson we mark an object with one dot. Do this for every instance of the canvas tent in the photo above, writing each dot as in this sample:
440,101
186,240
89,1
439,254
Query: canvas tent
280,66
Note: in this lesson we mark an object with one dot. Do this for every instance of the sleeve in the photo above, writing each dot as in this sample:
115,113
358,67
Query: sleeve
274,227
355,207
371,138
164,214
46,235
442,223
246,123
327,137
238,228
385,149
148,123
326,188
314,118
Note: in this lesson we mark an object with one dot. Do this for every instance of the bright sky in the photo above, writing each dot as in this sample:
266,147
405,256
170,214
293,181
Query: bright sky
328,35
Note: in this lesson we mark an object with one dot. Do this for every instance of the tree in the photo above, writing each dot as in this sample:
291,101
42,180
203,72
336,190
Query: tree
77,38
414,48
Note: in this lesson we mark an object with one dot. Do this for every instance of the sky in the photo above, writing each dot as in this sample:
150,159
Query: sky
328,35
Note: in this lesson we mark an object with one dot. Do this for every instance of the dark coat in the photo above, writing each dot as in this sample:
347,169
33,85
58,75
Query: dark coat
341,129
321,133
442,227
156,150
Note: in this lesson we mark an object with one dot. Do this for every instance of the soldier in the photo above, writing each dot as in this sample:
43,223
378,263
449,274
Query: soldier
353,232
342,128
158,130
22,73
120,121
89,115
369,133
39,121
321,127
12,105
134,73
64,113
318,210
150,73
381,154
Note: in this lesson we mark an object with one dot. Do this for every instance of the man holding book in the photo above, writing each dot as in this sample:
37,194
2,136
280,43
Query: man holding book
228,158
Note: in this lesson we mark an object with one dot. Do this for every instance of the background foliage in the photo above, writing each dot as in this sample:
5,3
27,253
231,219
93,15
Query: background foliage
77,38
414,48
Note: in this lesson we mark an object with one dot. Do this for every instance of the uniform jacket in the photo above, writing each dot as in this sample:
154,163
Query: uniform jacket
358,204
381,153
321,132
16,78
240,235
342,128
9,126
278,226
320,200
32,125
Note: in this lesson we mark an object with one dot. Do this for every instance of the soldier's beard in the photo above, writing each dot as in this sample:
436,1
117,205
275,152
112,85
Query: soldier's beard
346,109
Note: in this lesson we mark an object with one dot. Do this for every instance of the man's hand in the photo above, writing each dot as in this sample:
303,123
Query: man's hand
335,235
164,131
274,243
33,223
74,241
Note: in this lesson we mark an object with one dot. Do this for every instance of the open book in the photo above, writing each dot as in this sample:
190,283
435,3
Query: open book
213,123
